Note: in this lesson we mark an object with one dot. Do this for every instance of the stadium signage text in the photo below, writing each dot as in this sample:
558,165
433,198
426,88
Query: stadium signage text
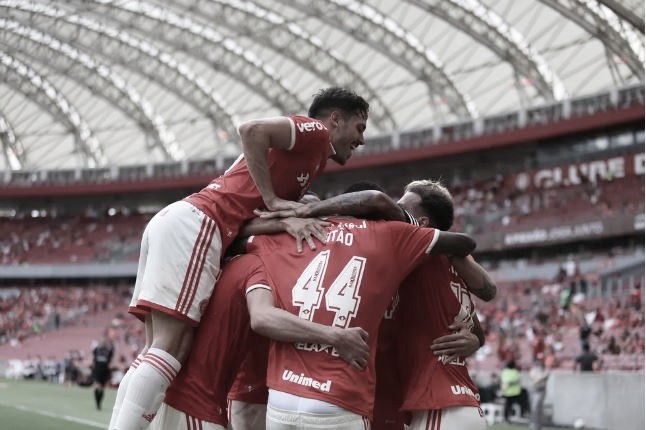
539,235
577,173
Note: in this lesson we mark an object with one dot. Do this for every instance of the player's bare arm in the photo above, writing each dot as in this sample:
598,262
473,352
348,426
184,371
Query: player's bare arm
369,203
466,340
257,137
301,229
478,281
454,244
270,321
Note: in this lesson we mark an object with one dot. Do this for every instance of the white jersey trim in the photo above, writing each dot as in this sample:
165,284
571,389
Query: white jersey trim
410,218
257,286
292,139
436,236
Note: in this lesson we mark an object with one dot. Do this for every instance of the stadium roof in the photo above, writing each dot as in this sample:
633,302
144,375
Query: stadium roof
97,82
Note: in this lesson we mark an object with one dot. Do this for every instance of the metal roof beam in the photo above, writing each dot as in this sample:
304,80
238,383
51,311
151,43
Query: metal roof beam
203,43
288,39
94,75
625,13
488,28
383,34
129,51
606,26
14,151
27,81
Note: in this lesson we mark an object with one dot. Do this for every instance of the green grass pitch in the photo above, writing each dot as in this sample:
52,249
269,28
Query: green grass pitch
32,405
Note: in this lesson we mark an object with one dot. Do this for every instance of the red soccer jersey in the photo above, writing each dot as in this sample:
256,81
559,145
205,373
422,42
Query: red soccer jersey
432,298
388,393
349,282
221,343
231,198
250,385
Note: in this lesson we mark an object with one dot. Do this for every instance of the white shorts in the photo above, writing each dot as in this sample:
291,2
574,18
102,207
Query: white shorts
179,263
169,418
459,417
289,412
246,416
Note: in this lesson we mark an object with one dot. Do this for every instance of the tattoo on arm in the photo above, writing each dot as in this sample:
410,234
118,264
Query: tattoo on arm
484,289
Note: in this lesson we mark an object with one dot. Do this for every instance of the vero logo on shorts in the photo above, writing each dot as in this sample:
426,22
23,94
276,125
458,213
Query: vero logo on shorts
310,126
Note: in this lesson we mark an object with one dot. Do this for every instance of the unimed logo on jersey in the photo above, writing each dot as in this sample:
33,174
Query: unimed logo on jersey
306,381
310,126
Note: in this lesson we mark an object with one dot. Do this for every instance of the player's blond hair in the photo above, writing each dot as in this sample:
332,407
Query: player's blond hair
436,202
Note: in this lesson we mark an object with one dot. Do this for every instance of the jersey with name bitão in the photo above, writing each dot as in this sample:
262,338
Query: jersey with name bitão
221,343
349,282
231,198
430,299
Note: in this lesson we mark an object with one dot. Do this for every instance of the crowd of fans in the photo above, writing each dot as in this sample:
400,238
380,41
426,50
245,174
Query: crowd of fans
551,317
555,320
487,206
35,239
29,311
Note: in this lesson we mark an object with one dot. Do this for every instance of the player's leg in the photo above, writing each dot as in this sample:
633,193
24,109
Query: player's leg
170,347
249,416
123,384
170,418
181,270
459,417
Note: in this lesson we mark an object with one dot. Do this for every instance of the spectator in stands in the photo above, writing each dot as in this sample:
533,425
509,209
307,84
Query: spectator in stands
585,362
635,298
511,387
538,376
612,348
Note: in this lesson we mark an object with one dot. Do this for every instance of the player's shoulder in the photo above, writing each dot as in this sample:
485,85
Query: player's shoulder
239,262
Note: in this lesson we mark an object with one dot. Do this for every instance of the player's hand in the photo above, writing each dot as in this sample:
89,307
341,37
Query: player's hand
306,229
460,344
352,346
277,204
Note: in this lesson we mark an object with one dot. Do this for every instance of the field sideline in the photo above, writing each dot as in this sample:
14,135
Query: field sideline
31,405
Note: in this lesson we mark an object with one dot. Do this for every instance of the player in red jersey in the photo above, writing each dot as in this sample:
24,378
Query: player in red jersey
437,388
183,243
248,396
197,397
421,195
349,283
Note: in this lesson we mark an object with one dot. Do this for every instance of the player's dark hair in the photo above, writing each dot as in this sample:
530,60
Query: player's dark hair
335,98
364,186
436,202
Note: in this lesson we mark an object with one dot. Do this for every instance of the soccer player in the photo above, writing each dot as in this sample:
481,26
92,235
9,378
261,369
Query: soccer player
248,396
348,283
183,243
430,204
197,397
437,389
101,358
